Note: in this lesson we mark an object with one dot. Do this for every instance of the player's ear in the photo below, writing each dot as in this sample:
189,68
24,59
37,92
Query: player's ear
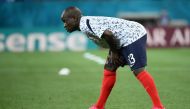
75,18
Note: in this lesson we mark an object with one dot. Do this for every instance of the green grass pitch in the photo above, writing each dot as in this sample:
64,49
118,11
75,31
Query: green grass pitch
31,81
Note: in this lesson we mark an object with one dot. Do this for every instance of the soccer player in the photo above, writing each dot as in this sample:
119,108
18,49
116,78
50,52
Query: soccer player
127,46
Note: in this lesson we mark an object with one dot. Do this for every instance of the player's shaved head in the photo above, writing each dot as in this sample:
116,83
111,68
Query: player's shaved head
71,18
71,12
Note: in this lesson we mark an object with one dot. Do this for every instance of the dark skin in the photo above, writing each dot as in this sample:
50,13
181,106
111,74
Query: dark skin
109,37
71,19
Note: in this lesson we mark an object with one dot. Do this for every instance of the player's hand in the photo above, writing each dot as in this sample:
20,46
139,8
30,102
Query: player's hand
117,59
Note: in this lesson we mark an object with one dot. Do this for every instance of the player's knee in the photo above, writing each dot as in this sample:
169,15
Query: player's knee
109,67
138,71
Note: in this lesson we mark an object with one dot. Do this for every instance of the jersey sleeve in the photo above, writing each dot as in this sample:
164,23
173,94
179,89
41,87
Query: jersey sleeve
93,25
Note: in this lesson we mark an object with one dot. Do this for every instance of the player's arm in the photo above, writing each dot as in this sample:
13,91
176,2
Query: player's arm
109,37
112,42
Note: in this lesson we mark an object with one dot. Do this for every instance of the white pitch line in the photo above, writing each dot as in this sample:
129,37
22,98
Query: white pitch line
94,58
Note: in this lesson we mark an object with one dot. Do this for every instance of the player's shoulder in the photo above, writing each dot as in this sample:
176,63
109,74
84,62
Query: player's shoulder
101,17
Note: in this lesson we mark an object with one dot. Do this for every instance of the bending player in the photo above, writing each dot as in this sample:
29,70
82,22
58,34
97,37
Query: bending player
127,44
